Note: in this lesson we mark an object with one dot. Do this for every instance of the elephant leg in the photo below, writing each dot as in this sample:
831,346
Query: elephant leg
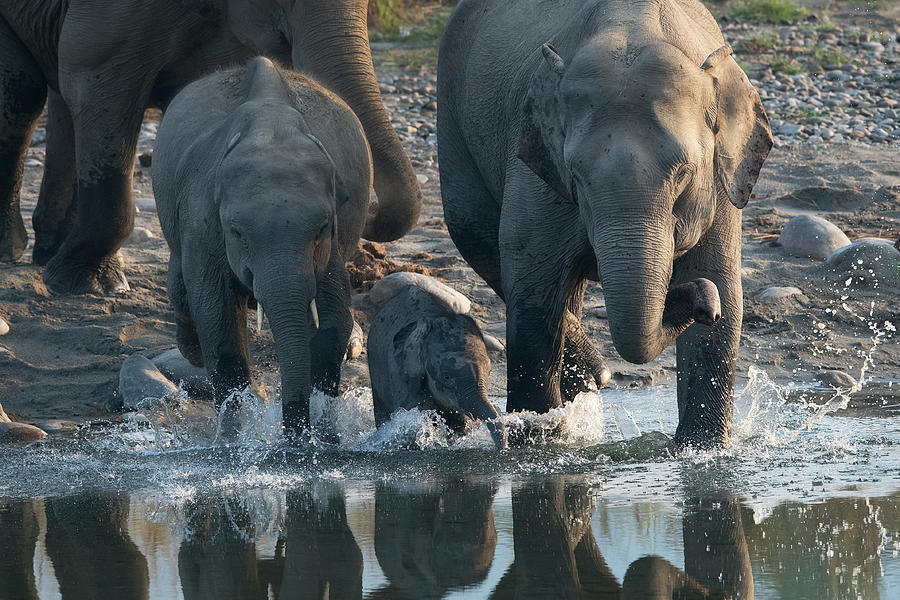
329,342
23,90
541,273
471,213
582,362
185,330
706,355
106,102
55,210
220,316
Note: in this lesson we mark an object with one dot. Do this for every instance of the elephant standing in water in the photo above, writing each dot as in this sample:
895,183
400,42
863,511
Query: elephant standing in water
605,140
105,61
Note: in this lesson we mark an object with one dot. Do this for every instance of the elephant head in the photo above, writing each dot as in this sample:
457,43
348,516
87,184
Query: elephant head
278,194
456,369
649,143
330,42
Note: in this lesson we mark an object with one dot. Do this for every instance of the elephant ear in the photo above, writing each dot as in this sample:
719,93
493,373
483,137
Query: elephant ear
741,127
339,188
542,135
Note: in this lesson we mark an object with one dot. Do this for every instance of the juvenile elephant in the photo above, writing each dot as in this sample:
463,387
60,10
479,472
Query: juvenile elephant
422,354
606,140
262,179
105,61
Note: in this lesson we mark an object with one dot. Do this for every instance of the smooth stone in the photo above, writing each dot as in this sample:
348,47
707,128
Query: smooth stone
492,344
389,286
145,203
4,418
774,294
855,262
57,425
140,234
356,343
790,129
20,433
422,179
836,379
140,379
4,326
179,370
808,235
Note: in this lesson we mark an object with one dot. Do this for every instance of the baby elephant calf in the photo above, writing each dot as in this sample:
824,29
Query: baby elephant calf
262,179
422,354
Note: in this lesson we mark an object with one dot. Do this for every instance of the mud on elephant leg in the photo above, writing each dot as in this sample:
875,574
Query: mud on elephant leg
329,341
106,131
22,93
55,210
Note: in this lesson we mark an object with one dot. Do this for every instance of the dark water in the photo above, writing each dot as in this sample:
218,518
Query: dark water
803,504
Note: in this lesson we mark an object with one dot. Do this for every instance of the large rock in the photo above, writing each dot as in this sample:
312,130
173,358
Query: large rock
19,433
836,379
178,369
808,235
867,262
389,286
139,379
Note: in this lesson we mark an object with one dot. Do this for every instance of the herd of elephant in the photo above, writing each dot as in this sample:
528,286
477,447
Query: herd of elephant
426,543
607,140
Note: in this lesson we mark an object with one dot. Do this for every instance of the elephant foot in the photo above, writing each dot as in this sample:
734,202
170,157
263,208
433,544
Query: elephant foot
583,367
13,240
528,433
72,275
355,344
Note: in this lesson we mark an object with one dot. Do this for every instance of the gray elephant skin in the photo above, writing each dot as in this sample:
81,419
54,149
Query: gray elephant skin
424,355
613,141
262,179
100,63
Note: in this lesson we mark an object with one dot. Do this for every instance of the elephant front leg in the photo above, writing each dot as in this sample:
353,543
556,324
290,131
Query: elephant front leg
582,362
55,210
329,341
106,129
707,354
219,314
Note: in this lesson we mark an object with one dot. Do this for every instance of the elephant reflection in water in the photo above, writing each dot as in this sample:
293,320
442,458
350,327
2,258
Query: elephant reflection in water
18,535
316,558
92,554
428,543
557,556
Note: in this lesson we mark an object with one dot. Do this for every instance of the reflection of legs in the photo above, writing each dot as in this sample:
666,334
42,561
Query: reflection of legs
18,535
22,93
92,555
56,204
715,549
322,558
217,561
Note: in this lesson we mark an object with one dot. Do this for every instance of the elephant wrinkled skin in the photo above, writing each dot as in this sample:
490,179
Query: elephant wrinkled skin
262,180
100,63
606,140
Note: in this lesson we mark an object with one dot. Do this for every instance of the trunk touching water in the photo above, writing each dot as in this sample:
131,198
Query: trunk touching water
481,408
286,304
645,314
331,42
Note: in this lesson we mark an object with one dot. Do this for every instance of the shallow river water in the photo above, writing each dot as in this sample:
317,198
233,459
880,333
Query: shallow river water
803,504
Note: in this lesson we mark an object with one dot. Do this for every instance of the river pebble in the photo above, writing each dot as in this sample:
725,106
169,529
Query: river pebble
140,379
836,379
809,235
4,326
867,262
179,370
773,295
20,433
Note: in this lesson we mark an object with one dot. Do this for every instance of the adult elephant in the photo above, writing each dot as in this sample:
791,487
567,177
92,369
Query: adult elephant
105,61
610,140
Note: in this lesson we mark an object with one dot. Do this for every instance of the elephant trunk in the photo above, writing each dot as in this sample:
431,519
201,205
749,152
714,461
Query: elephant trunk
330,42
477,404
645,312
287,304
